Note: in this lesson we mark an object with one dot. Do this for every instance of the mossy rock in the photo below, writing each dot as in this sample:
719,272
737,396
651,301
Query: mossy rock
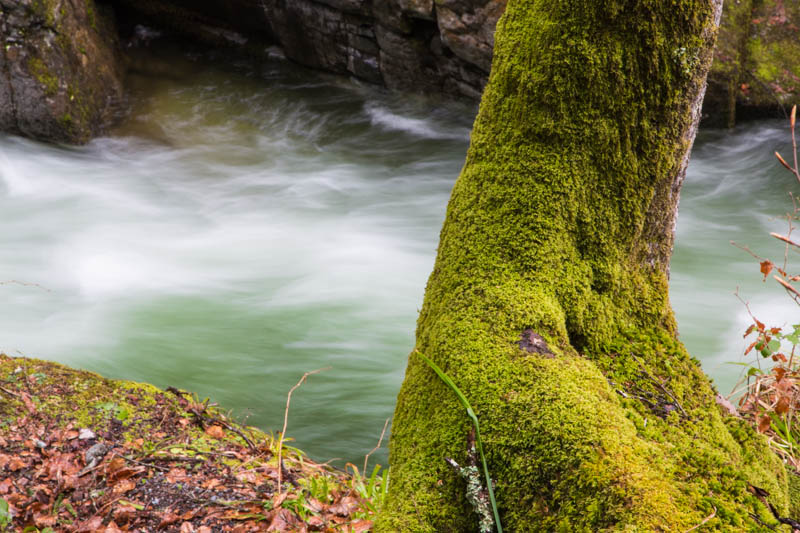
63,69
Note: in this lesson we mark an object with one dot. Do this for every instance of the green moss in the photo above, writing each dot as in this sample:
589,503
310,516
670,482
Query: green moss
794,494
124,408
45,10
43,75
90,14
562,222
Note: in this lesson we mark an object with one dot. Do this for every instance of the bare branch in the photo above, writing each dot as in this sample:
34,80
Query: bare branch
373,450
286,421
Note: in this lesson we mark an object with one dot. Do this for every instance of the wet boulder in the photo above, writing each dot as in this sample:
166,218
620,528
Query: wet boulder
60,69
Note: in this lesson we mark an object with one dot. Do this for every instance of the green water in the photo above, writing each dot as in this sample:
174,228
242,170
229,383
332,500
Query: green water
249,224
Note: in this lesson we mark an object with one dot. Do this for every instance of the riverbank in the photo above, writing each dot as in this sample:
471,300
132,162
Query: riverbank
81,453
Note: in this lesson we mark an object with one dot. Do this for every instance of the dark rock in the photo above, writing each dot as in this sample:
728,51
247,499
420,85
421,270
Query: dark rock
418,45
60,69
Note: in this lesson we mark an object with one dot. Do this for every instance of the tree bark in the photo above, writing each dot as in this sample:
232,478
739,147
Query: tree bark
548,303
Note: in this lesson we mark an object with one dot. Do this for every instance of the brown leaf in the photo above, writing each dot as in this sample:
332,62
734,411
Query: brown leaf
763,423
204,529
248,476
116,464
360,526
6,485
92,525
315,523
278,499
124,514
314,505
766,268
44,520
215,432
187,527
126,485
344,507
783,406
26,399
16,464
211,483
284,520
176,475
112,527
168,518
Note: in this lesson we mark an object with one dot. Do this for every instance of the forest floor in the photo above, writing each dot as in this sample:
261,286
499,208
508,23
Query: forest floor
81,453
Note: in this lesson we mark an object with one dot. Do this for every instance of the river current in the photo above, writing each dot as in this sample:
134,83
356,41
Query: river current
248,224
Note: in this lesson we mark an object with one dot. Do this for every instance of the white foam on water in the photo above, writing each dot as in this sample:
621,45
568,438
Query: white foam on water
383,117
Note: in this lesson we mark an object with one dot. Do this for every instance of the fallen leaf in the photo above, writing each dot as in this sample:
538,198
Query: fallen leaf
344,507
764,423
124,486
187,527
168,518
360,526
278,499
26,399
16,464
211,483
112,527
90,526
124,514
783,406
315,523
248,476
284,520
176,475
44,520
215,432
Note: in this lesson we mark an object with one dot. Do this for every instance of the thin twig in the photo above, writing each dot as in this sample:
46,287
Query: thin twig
366,457
705,520
794,293
661,386
10,393
142,463
230,427
792,121
785,239
749,251
286,421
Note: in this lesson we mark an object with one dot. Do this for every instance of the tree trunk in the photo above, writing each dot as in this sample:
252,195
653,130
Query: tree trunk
548,304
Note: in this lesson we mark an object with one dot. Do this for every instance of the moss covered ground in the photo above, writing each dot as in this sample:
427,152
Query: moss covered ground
82,453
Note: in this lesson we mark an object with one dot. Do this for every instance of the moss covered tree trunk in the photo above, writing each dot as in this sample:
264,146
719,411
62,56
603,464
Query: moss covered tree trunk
548,304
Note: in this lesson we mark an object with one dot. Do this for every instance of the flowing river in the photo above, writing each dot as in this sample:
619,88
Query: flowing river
248,224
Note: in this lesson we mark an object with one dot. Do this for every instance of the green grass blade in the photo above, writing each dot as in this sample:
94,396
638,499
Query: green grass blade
444,377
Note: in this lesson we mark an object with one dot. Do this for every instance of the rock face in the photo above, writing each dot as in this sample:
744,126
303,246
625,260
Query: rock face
445,46
60,73
435,46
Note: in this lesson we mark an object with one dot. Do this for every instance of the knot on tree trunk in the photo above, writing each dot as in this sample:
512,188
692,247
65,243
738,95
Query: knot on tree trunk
532,342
